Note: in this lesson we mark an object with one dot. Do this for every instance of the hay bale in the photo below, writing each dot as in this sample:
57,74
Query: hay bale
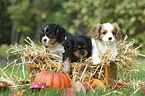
32,53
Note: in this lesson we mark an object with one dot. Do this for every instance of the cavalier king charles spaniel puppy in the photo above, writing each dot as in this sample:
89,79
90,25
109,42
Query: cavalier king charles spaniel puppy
76,47
104,36
52,36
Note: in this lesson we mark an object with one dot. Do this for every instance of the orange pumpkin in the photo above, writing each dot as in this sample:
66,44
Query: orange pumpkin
58,80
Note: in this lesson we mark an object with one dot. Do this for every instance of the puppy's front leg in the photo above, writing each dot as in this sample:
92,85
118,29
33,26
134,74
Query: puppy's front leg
67,65
96,59
95,55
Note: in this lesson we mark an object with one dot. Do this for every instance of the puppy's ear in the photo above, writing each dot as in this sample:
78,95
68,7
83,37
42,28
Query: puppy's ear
41,30
118,34
95,31
89,46
61,33
68,46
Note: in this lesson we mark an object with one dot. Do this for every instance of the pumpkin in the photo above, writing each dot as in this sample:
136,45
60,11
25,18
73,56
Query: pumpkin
53,80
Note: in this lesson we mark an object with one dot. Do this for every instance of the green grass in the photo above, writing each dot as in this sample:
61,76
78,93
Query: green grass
17,70
51,92
124,91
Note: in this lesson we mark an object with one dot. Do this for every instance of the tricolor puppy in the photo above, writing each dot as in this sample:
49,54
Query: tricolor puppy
103,40
76,47
52,36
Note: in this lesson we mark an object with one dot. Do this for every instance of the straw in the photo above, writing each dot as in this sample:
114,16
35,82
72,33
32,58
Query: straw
32,54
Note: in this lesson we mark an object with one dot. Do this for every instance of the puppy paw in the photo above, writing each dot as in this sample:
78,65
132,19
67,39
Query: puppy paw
66,70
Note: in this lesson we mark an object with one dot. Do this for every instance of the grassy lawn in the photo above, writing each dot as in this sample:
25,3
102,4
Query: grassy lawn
124,91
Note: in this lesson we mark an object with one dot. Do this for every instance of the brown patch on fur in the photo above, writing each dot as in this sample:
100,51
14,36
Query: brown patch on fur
42,33
84,46
95,31
52,41
47,32
79,46
77,54
101,32
118,34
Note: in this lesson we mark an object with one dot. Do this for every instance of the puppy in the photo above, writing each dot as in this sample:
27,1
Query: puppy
104,36
76,47
52,36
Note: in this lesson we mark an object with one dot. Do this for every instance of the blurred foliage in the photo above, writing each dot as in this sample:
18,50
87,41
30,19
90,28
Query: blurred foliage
4,51
76,16
5,22
21,15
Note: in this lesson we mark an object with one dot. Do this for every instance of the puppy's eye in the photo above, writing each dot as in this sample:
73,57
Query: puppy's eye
75,49
86,47
104,32
47,32
113,32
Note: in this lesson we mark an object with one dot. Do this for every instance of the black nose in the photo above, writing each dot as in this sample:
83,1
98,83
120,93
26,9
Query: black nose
110,38
82,52
45,40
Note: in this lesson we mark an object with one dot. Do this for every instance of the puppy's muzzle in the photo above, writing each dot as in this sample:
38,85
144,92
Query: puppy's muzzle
110,38
82,53
52,41
45,40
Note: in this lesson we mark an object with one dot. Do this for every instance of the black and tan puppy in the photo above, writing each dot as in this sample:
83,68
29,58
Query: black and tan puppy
76,47
52,36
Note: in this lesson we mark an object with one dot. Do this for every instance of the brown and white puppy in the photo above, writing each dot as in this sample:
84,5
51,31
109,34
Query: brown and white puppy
52,36
76,47
103,40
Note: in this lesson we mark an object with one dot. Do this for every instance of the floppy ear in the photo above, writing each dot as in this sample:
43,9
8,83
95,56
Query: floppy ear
61,33
95,31
89,47
68,46
41,30
118,34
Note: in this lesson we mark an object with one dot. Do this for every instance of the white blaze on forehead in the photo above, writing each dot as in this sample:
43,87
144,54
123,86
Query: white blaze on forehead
108,26
45,28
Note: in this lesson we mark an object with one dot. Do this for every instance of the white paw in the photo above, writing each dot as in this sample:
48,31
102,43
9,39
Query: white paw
66,70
